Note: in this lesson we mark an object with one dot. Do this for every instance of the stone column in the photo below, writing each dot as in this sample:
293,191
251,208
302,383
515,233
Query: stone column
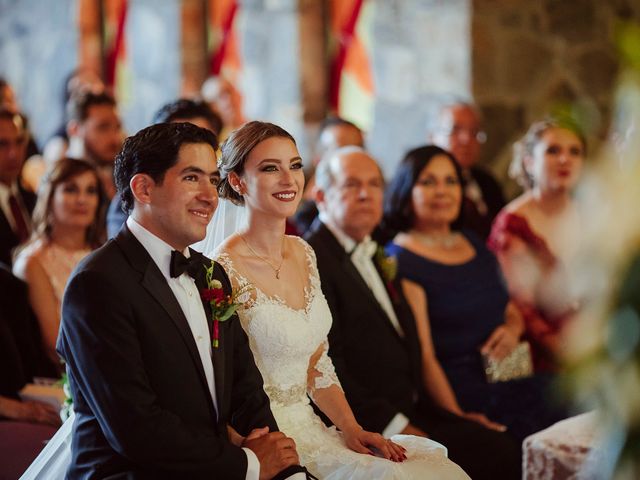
269,33
90,32
421,49
193,47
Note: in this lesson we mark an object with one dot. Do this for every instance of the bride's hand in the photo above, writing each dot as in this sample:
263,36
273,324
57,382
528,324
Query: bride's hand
361,441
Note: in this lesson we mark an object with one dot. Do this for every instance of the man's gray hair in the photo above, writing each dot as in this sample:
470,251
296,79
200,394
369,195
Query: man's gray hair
324,177
445,102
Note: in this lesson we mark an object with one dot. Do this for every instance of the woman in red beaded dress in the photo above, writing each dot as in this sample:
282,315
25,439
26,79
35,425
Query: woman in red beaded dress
536,236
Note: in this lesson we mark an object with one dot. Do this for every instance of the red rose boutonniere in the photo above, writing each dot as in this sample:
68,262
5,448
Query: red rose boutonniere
222,306
389,269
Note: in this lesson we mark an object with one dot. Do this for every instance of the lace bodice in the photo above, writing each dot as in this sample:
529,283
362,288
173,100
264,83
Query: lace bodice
283,339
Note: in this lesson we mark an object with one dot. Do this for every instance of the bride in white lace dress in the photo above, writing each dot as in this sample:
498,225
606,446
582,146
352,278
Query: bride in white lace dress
287,320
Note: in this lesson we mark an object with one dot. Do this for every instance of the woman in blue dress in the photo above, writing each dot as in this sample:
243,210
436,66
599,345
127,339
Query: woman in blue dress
459,299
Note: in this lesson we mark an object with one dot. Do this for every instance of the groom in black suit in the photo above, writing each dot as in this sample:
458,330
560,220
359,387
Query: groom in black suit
153,398
373,340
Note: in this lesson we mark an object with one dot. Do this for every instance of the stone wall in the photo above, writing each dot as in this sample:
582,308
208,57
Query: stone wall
269,42
517,58
530,56
39,47
421,49
153,58
37,51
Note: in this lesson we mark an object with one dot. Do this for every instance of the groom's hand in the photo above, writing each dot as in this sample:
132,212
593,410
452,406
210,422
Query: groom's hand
257,433
275,452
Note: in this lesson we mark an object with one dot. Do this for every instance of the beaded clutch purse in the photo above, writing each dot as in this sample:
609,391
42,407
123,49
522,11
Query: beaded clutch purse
516,365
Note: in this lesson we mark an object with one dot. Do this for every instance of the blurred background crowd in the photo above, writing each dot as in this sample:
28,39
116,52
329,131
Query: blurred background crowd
507,133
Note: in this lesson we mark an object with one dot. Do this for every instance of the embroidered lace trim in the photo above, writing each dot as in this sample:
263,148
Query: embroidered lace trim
285,397
326,373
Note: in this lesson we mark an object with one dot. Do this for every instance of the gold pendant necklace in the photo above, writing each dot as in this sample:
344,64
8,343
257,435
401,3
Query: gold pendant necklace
264,259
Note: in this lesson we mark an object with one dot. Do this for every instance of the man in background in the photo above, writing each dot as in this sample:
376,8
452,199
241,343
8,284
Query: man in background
335,132
95,133
457,127
225,100
16,203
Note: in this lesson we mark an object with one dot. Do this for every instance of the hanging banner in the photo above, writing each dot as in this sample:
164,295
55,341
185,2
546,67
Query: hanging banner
224,49
351,87
117,70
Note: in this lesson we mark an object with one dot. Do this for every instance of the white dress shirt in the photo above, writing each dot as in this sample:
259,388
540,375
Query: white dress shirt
363,262
186,292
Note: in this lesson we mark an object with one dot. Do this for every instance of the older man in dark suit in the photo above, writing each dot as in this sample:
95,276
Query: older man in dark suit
16,204
373,341
154,396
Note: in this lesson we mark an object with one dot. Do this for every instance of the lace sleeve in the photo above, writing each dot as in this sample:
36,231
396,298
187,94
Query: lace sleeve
322,374
238,281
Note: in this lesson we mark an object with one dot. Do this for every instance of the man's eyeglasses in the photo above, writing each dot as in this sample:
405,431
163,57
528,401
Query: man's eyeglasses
479,135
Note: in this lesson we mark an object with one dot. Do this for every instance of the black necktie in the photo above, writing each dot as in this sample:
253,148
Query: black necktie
181,264
21,227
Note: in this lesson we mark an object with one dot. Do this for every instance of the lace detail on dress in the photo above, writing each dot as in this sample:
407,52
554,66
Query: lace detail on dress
326,372
257,294
280,335
562,450
283,341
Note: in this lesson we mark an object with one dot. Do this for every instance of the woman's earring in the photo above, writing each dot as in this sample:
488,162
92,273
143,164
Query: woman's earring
234,181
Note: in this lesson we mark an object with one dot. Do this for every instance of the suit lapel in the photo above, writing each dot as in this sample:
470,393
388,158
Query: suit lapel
5,226
218,354
155,283
350,269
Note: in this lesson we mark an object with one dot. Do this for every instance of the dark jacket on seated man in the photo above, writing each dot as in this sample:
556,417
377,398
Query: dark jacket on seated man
22,356
9,239
381,371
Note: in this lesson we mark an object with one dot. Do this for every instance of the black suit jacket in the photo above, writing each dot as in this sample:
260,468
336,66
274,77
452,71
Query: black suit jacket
493,198
143,408
380,371
21,354
8,239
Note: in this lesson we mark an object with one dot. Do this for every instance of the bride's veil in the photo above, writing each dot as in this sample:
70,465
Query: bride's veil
228,219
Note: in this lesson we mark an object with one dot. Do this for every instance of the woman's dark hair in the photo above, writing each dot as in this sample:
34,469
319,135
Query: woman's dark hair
236,149
61,172
398,211
153,151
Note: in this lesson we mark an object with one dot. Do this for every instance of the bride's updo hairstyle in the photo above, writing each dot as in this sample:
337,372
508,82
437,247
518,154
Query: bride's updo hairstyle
237,148
524,148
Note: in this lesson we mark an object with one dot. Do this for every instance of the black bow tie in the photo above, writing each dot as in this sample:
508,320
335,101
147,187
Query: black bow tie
181,264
